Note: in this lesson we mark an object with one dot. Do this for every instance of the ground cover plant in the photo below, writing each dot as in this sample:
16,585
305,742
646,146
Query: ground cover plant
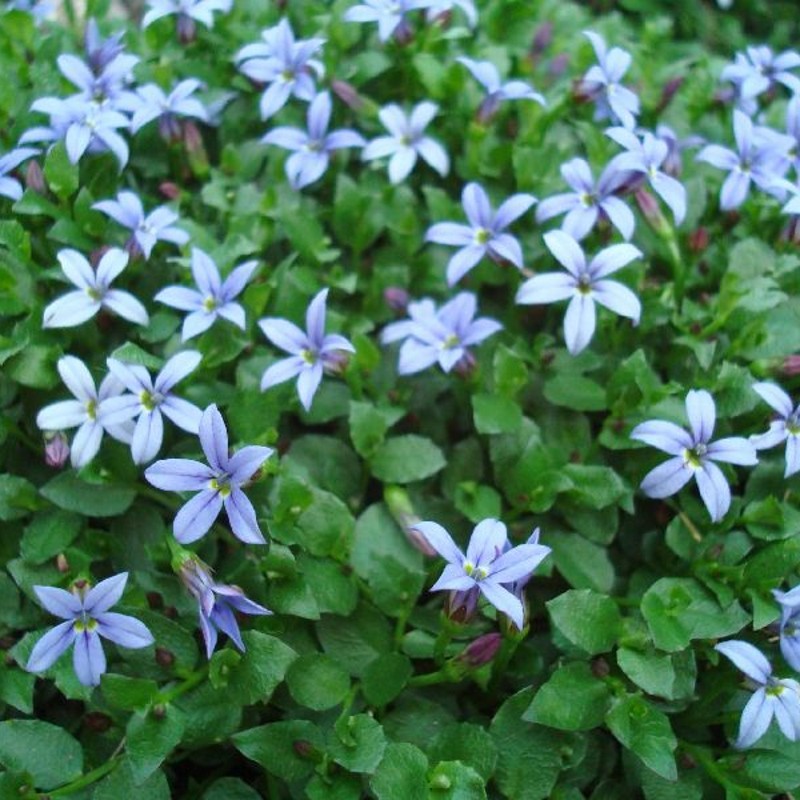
399,400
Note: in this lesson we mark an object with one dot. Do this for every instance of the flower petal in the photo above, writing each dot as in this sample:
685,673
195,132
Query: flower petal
441,541
88,658
242,517
702,414
48,649
714,490
123,630
666,479
105,594
196,517
665,436
179,475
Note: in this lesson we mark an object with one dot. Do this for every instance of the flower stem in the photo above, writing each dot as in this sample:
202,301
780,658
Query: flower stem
85,780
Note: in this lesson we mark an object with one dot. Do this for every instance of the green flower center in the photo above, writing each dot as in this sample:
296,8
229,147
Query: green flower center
220,486
587,200
694,457
91,409
148,401
309,356
209,304
451,342
584,284
476,573
482,236
85,624
95,294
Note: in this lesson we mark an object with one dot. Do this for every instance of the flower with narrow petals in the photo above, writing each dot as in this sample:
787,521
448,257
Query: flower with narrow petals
583,284
601,83
496,90
484,236
157,226
217,603
588,202
312,148
188,12
439,9
488,565
407,140
790,625
758,158
758,69
288,70
151,102
11,187
786,428
312,350
213,297
773,697
442,335
673,164
389,14
94,291
100,52
646,156
86,618
217,485
152,398
93,412
693,455
103,80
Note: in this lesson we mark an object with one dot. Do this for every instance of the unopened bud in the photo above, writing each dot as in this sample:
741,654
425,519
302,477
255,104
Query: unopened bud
348,94
487,109
558,66
651,211
699,240
403,33
466,365
542,39
169,190
396,298
791,365
62,565
791,231
303,748
482,650
56,450
195,150
164,658
187,30
155,601
159,711
34,178
97,722
668,92
399,505
169,128
600,668
461,606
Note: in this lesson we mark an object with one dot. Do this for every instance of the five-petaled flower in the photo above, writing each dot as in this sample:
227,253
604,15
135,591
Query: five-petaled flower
312,351
152,398
213,297
786,428
157,226
188,12
442,335
488,566
585,283
407,140
93,412
217,485
86,618
312,148
496,90
94,291
389,14
11,187
216,603
790,625
693,455
485,233
773,697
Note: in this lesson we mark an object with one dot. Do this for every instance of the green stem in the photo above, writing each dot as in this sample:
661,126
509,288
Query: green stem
696,535
85,780
188,683
442,640
503,658
431,678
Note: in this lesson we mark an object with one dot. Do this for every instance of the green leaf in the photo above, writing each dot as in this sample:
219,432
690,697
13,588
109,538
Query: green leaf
670,675
48,535
495,414
230,789
128,693
468,743
17,497
596,487
584,564
16,688
61,174
405,459
317,682
646,732
263,666
130,353
48,753
452,780
402,774
355,641
69,492
150,738
589,620
283,748
358,743
385,678
121,784
576,392
571,700
368,426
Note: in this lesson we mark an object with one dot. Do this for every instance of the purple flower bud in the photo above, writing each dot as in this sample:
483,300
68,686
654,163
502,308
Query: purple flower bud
542,39
186,28
482,650
791,365
34,178
558,66
651,211
396,298
348,94
56,450
668,93
460,606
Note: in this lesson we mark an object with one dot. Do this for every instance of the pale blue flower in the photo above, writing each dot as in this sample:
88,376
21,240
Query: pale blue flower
646,156
484,236
287,66
444,335
488,565
213,297
188,12
157,226
584,283
773,697
11,187
790,625
151,102
312,351
87,619
786,428
497,90
601,83
93,291
217,485
104,80
439,8
588,202
758,69
152,398
693,455
217,604
407,140
92,412
389,14
312,148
